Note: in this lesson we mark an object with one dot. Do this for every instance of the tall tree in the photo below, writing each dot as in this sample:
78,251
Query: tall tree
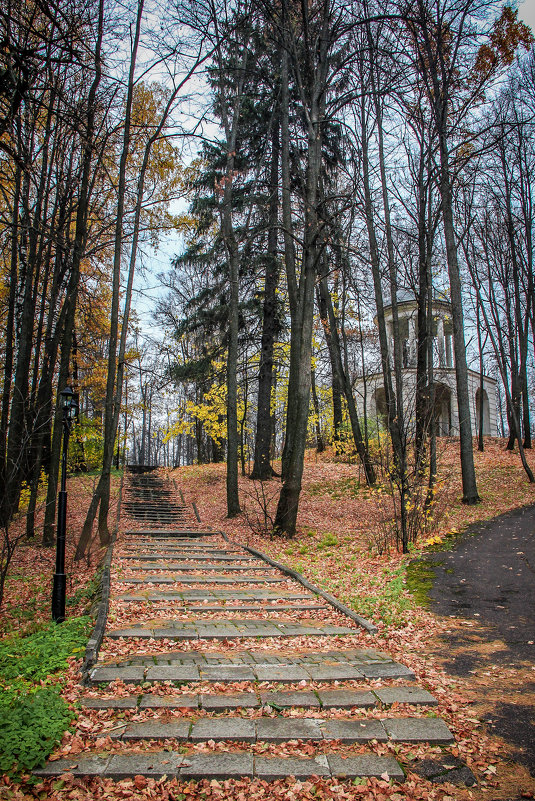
314,44
455,72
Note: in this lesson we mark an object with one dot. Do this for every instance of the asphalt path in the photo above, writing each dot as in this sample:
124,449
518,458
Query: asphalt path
490,578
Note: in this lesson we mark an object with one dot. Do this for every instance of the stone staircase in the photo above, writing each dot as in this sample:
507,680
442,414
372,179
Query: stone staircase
232,669
153,500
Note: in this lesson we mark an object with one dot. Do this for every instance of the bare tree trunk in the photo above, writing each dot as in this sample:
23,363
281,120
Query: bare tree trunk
470,494
230,105
80,239
5,509
110,413
480,441
424,353
330,324
262,465
320,445
109,416
289,256
501,366
395,425
303,314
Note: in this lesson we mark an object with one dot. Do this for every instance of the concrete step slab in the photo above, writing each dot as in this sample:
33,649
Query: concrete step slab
217,766
273,768
285,729
354,731
405,695
346,699
285,700
152,765
177,534
188,579
233,729
129,674
238,628
418,730
184,701
228,673
280,730
174,673
129,702
153,730
277,699
189,566
223,703
209,609
365,766
228,765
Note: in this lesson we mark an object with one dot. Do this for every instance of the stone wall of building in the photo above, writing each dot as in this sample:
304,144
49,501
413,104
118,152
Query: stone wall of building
445,400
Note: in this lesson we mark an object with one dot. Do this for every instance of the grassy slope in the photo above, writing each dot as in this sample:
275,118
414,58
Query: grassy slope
342,523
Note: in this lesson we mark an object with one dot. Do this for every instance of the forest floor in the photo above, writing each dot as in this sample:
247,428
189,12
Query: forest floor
27,595
340,547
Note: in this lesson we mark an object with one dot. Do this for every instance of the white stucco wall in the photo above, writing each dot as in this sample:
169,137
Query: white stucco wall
449,419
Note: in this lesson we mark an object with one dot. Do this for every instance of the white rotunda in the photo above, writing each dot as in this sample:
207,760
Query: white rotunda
369,389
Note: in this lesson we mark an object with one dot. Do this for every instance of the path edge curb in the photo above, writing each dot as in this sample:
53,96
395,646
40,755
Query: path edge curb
97,635
371,628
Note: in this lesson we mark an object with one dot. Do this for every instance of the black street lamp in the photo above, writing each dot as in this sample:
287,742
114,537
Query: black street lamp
70,405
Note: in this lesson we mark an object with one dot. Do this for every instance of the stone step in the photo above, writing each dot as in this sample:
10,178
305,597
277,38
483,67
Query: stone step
132,506
280,730
150,502
166,534
182,578
150,520
226,765
188,566
164,516
280,673
197,556
222,595
227,629
201,551
282,699
209,609
135,508
349,656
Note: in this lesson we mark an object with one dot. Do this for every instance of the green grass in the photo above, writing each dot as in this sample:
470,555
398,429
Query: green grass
34,715
32,726
420,577
390,604
341,488
33,658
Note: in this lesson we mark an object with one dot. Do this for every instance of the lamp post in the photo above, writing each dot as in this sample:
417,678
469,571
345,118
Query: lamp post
69,406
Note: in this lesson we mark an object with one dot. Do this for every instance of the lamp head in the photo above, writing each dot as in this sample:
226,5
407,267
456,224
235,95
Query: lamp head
69,400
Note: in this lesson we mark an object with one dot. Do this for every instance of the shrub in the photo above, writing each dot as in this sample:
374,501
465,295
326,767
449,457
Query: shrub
32,726
34,716
46,651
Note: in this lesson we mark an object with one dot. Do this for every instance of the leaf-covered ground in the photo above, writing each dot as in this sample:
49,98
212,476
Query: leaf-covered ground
27,597
341,527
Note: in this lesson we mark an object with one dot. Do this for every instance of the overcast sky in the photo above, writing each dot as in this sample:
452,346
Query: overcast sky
526,12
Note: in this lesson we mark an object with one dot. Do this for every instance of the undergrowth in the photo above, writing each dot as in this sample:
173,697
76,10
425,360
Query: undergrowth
34,715
390,603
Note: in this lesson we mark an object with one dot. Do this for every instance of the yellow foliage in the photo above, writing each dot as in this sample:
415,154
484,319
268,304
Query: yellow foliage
211,412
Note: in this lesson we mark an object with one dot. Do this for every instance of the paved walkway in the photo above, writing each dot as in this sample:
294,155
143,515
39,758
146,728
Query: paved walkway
490,579
232,669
